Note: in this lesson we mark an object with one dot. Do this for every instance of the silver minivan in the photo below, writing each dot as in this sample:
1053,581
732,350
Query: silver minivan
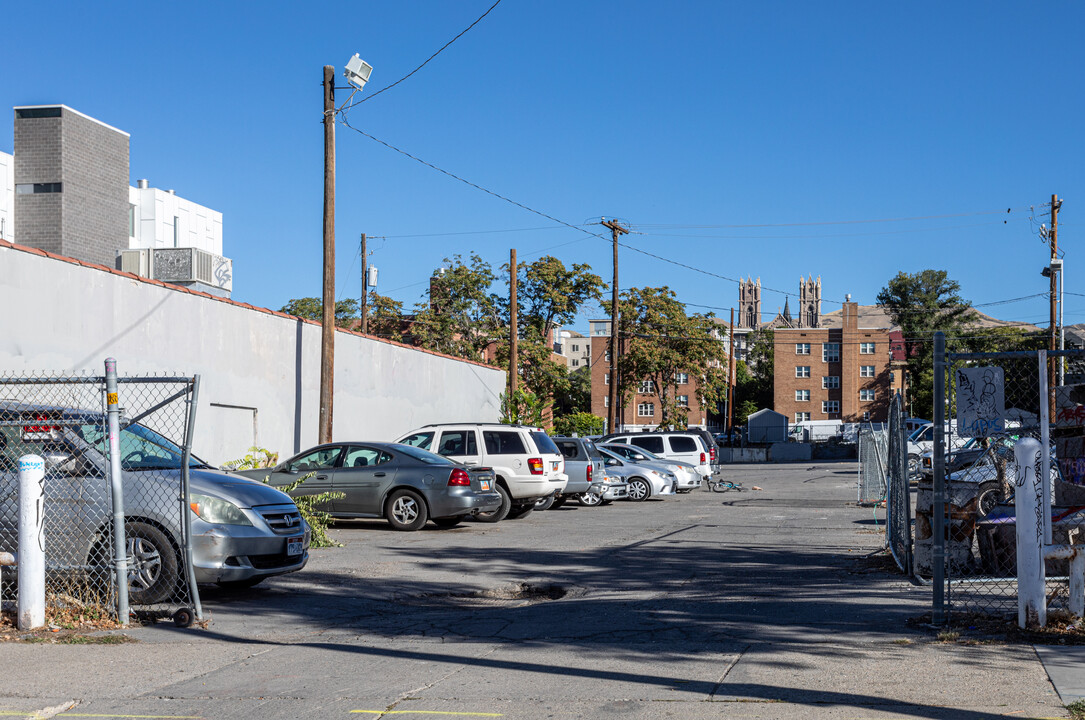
687,447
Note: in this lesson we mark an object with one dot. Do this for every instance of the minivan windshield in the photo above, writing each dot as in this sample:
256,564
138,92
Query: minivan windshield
140,447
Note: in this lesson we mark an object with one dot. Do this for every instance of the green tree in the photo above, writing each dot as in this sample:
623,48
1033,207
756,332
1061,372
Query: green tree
311,308
921,304
459,315
581,423
384,317
548,295
522,407
660,342
576,397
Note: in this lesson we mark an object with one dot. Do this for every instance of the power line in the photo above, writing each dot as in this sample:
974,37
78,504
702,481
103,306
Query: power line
833,222
412,72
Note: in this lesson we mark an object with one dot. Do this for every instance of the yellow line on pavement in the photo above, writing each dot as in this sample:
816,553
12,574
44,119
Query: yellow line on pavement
427,712
35,714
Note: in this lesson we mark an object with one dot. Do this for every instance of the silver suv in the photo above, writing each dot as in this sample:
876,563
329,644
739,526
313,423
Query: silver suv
527,464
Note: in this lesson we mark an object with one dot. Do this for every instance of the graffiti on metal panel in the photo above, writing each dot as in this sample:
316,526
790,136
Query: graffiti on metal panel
1070,406
981,401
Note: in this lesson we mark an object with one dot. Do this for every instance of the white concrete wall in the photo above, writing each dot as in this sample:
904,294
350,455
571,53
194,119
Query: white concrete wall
7,197
197,226
59,316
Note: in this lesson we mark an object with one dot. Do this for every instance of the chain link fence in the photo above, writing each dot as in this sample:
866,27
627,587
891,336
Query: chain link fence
981,475
873,465
898,512
63,419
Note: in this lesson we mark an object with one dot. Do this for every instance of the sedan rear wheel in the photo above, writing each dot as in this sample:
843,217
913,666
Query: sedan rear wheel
406,510
639,489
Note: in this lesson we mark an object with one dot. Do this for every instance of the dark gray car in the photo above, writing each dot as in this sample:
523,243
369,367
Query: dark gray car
406,485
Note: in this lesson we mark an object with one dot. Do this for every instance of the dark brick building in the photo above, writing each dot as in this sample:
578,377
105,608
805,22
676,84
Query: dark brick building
71,184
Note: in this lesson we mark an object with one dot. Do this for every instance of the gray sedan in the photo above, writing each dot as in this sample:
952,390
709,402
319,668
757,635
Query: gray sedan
644,481
405,485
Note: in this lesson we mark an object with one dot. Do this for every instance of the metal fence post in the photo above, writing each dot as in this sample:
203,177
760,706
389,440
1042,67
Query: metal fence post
31,573
120,549
1045,442
1028,501
938,511
186,513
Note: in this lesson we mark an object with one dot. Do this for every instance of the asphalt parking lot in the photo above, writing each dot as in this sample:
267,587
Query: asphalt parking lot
759,604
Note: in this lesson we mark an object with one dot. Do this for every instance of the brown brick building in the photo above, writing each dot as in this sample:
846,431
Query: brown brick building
642,412
839,371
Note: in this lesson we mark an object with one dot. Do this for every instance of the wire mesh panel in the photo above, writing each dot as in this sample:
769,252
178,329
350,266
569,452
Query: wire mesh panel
981,566
898,526
63,420
873,456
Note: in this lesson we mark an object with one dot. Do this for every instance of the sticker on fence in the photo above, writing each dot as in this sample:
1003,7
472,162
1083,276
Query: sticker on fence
981,401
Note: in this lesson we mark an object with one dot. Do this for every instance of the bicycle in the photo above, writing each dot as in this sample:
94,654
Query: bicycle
721,486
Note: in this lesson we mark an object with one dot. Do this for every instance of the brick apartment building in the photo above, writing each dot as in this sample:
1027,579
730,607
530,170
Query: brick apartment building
839,371
642,412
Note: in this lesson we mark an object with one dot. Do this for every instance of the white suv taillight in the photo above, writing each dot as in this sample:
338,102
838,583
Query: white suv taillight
535,465
712,453
702,459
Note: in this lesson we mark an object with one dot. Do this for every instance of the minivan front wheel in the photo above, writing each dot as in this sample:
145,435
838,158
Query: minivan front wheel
502,511
152,564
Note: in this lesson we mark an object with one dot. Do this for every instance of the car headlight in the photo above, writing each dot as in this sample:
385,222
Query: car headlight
216,511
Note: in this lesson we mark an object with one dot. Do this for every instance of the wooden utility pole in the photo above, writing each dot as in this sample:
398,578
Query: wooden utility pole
616,231
365,288
327,334
514,371
731,367
1052,362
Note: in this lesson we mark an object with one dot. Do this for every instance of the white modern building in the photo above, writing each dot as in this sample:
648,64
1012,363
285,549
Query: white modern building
7,196
162,219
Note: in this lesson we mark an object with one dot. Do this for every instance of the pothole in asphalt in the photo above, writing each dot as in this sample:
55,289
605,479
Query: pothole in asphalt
519,593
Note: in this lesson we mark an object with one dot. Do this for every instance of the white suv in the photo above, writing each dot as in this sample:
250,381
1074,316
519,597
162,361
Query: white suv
687,447
527,463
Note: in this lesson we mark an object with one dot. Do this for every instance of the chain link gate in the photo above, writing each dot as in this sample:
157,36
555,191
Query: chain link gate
873,458
898,513
63,419
980,475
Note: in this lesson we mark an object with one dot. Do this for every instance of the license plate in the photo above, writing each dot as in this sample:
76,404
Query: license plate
485,485
293,545
555,464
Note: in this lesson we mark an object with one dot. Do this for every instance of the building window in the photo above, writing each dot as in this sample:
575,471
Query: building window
36,188
866,395
866,416
830,352
681,378
606,356
646,387
802,348
866,371
646,410
576,348
683,400
802,371
830,382
606,378
866,348
576,362
802,417
606,401
802,396
830,407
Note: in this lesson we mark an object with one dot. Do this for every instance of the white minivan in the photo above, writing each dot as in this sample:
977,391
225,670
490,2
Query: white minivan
527,464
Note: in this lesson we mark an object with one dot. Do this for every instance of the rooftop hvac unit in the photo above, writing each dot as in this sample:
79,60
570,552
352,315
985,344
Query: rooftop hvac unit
137,262
190,265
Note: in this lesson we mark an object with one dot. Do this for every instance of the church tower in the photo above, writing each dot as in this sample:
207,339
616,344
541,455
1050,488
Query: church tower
810,302
749,303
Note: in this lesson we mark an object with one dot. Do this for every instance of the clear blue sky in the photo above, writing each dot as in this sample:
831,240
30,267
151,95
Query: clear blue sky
691,121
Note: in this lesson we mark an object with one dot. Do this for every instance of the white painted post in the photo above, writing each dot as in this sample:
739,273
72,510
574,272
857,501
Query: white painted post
31,604
1028,501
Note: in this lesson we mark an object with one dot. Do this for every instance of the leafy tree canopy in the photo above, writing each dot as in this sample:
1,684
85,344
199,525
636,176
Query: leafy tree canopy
311,308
